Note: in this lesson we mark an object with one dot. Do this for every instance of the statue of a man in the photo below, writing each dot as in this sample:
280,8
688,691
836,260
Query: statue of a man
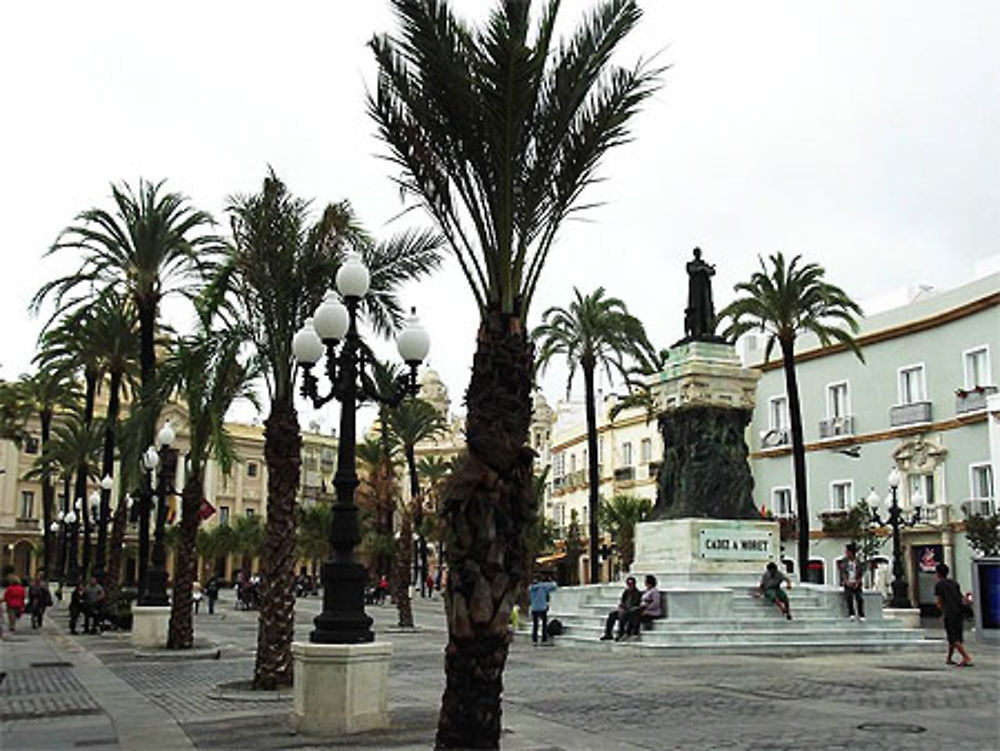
699,316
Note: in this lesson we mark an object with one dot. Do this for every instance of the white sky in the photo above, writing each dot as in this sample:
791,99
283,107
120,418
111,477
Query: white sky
861,134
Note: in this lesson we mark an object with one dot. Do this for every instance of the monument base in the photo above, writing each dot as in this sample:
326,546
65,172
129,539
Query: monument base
150,626
340,688
705,551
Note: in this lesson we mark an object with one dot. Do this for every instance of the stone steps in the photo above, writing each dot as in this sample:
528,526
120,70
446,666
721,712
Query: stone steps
811,634
787,647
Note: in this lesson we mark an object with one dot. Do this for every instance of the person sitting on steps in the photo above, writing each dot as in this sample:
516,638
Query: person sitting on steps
650,606
626,613
770,588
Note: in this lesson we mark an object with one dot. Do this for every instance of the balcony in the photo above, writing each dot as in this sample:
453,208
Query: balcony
653,470
978,507
774,438
937,515
26,525
909,414
624,474
833,427
972,400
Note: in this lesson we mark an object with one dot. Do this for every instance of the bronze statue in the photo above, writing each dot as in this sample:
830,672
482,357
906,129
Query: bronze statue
699,316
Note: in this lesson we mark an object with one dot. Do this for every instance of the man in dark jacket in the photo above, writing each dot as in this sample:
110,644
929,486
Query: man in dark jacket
77,604
950,602
626,612
39,600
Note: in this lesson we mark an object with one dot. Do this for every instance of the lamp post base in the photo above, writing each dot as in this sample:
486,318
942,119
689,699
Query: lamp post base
900,595
343,619
340,688
150,626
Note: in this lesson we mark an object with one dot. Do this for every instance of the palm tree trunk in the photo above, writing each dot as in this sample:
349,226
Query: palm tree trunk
181,634
798,454
488,506
593,480
107,467
118,524
48,495
81,474
282,451
401,572
420,560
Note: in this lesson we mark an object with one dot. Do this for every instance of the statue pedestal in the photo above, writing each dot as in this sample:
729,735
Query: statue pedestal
150,625
722,552
340,688
704,374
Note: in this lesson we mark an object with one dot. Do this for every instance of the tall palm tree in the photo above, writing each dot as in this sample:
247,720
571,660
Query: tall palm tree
378,498
595,332
313,533
44,393
277,269
213,544
497,131
208,374
148,246
784,300
413,421
619,516
248,539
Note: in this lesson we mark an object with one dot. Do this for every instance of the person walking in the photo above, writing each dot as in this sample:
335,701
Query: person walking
212,593
951,604
77,605
623,615
39,600
196,595
852,573
538,594
93,612
13,600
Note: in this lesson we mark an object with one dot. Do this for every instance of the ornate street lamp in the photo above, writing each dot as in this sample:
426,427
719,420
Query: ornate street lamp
102,525
897,520
150,461
72,525
156,577
343,619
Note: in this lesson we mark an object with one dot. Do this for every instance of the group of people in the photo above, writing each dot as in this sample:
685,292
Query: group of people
634,609
34,600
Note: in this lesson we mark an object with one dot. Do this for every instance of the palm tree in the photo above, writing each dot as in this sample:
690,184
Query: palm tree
595,332
313,533
276,271
207,372
213,544
497,131
412,422
782,301
378,498
148,247
619,516
44,393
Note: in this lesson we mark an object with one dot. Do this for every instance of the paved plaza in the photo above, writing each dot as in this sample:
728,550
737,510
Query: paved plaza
93,692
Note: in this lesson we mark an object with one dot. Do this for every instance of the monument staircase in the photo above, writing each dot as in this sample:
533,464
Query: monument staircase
725,617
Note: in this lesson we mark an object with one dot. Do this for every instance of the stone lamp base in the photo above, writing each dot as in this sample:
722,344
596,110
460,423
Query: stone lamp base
150,625
340,688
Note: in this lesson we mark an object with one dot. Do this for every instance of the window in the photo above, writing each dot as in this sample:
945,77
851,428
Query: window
558,465
977,367
31,445
781,502
837,404
223,514
251,469
911,385
981,476
627,454
777,413
27,504
924,485
841,495
572,463
250,512
645,451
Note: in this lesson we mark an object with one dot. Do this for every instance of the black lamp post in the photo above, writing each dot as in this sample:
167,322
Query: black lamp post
156,576
149,462
897,520
72,529
343,619
102,526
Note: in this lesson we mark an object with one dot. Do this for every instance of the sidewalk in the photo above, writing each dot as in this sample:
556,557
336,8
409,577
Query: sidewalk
72,692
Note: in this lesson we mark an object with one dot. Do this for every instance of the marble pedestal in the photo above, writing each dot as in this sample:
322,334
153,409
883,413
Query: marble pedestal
340,688
150,625
700,551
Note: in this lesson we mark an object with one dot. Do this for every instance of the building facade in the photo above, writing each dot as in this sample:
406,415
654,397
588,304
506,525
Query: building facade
918,402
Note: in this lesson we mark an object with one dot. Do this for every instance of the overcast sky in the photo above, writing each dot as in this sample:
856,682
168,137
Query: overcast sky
863,135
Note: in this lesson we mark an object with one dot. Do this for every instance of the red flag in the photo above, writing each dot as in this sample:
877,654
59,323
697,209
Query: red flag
205,510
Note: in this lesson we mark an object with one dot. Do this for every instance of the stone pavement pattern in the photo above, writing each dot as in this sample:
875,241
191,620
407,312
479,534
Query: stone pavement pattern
553,699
